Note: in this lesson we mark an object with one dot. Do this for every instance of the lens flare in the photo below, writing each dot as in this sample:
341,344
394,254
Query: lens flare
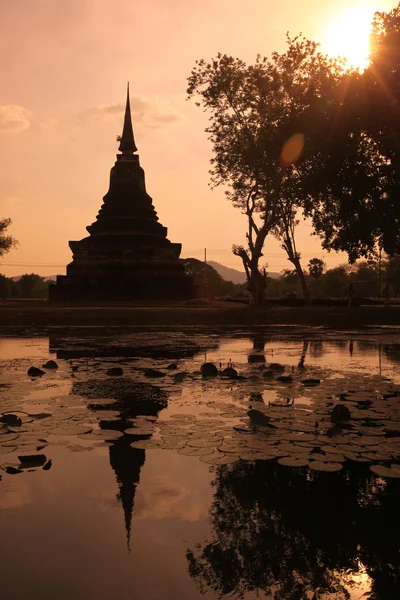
292,150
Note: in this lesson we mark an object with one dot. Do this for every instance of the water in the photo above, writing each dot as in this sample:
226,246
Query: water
104,519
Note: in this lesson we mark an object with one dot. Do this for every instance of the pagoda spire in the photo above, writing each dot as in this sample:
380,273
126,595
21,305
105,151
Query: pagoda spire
127,141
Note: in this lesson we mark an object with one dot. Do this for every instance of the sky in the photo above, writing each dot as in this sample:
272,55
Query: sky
64,68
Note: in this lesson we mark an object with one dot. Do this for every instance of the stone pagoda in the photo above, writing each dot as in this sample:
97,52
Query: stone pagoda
127,254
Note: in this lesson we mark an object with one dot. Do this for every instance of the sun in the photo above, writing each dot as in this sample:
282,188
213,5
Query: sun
348,35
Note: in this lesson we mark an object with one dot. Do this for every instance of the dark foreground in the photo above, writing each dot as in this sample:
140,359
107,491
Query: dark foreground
165,485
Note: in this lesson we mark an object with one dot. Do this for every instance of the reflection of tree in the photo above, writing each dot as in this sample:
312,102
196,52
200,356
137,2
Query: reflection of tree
316,348
286,533
259,340
303,356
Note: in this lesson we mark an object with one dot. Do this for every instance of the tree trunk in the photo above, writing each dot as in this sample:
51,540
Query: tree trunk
300,273
256,283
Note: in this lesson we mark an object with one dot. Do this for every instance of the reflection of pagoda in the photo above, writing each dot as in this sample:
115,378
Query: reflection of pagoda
126,463
127,254
131,400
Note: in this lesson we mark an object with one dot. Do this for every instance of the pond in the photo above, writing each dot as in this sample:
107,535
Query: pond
126,473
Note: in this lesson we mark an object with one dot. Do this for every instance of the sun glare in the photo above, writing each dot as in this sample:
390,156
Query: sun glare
348,35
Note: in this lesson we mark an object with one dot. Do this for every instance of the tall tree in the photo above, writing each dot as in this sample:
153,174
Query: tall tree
354,202
6,241
260,127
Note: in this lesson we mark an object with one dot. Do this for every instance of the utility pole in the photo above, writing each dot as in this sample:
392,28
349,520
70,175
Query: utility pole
379,271
205,273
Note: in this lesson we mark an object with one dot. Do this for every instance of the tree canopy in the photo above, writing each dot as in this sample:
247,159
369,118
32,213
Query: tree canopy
262,127
6,241
354,202
300,132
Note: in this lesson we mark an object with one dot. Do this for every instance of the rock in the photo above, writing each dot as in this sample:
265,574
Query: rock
74,368
230,372
257,417
13,470
178,377
340,413
35,372
334,431
208,370
256,358
172,367
276,367
310,382
285,378
47,466
114,371
32,460
256,397
268,374
262,367
10,419
153,373
51,364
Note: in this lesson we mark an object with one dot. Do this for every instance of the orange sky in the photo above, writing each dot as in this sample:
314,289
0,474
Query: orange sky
64,69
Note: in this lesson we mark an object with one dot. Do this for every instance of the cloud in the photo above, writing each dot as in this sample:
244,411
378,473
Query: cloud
14,118
162,497
149,112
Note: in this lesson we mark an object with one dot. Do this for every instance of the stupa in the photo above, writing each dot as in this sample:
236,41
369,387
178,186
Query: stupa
127,254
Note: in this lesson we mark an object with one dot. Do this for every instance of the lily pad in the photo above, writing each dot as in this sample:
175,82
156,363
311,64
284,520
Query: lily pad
330,467
293,461
393,471
190,451
222,459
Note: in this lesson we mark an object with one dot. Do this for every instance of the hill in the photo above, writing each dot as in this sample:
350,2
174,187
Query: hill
233,275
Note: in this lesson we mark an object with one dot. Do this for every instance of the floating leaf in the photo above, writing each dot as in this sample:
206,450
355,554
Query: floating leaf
190,451
293,461
330,467
393,471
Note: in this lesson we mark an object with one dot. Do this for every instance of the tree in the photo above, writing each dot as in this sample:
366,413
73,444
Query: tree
358,211
265,534
7,242
335,282
392,274
261,127
5,286
32,286
316,267
207,280
366,279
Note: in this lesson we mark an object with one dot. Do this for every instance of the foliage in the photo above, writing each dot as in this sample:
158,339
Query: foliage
26,286
5,286
279,534
7,242
392,274
208,281
316,267
261,128
290,276
354,202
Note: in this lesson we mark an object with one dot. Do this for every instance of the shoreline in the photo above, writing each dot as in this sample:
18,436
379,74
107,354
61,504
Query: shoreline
43,315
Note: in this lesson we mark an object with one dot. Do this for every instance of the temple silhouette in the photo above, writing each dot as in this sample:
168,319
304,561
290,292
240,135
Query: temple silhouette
127,254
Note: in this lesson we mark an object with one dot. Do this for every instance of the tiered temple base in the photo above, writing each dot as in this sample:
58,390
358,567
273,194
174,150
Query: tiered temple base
127,254
119,282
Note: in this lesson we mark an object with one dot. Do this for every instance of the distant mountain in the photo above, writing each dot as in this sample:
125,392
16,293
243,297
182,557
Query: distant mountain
233,274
